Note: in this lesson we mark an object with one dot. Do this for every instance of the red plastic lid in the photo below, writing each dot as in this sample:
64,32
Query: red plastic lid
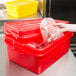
25,31
61,21
25,27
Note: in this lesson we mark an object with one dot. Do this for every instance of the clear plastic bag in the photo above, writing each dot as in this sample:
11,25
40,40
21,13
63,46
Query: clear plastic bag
49,30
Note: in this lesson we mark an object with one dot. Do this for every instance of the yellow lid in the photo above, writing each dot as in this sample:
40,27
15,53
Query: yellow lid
20,2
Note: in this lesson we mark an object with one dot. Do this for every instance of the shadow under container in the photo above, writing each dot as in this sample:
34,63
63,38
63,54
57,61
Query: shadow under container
24,8
34,59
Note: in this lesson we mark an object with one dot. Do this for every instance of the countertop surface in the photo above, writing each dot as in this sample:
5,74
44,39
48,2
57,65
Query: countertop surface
65,66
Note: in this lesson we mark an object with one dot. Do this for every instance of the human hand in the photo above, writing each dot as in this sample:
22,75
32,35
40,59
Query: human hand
67,27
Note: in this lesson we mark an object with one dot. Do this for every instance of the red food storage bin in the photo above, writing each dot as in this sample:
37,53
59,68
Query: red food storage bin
34,59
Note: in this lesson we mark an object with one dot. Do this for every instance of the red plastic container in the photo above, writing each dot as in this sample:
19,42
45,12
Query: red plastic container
37,60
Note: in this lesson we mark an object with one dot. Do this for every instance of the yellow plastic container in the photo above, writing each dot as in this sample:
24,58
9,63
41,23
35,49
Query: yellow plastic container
26,0
32,16
22,8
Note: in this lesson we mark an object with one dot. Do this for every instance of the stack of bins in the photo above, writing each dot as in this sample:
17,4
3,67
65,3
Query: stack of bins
21,8
19,34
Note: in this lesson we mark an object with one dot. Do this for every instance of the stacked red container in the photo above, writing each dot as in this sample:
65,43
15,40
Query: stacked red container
35,59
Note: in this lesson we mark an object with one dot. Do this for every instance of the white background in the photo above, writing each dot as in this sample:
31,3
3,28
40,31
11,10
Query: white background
3,1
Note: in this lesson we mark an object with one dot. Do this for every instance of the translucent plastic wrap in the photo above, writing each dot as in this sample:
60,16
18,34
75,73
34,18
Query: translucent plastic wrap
49,30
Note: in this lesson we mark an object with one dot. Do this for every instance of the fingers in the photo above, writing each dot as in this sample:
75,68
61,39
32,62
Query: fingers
66,27
63,29
62,25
